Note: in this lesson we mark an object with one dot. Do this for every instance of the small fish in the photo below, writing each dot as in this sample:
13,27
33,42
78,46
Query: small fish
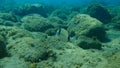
58,32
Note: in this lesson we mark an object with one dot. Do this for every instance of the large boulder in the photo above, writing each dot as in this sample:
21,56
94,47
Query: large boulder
13,33
98,11
36,23
27,48
85,25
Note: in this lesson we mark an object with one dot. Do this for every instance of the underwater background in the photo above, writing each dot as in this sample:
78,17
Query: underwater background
59,33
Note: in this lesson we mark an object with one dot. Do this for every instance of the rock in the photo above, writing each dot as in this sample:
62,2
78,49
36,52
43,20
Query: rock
98,11
61,13
27,48
6,22
16,33
61,33
13,33
36,23
39,35
56,43
4,30
3,52
31,9
114,44
85,25
13,62
116,22
113,60
113,34
68,58
3,41
57,22
51,32
88,43
45,64
9,17
85,60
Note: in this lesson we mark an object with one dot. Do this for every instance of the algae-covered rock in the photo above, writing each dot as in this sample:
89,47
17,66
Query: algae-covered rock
88,43
27,48
57,48
100,12
114,44
57,22
62,13
113,34
45,64
39,35
63,35
116,22
113,60
60,33
13,62
51,32
4,30
16,33
75,58
6,22
3,41
9,17
57,43
30,9
3,52
83,24
36,23
13,33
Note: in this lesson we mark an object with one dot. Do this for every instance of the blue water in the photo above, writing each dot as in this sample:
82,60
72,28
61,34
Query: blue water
61,2
68,2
